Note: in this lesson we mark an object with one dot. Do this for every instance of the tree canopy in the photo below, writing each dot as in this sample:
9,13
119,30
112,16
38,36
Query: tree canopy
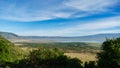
110,56
9,52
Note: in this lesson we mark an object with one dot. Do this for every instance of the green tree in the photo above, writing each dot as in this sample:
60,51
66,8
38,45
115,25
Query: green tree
90,64
110,56
9,52
4,49
49,58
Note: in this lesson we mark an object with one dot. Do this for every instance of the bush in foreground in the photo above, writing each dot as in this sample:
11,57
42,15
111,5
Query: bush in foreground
48,58
110,56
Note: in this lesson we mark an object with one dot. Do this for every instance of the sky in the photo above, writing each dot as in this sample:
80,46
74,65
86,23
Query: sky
59,17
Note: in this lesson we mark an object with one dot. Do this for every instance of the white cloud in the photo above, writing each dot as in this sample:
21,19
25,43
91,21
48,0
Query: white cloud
22,14
93,27
91,5
37,10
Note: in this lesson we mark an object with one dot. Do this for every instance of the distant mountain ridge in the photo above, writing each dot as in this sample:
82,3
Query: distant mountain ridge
37,39
13,37
8,35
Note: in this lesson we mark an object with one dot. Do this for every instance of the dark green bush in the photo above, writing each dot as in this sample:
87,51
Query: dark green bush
48,58
110,56
90,64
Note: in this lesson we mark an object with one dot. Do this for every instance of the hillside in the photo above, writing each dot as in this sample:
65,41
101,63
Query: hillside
9,52
98,38
4,42
13,37
9,35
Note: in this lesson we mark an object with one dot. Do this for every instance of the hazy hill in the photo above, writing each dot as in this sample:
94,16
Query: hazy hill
90,38
8,35
13,37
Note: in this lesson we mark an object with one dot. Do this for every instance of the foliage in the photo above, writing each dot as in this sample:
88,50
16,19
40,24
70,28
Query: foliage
9,52
110,56
47,58
90,64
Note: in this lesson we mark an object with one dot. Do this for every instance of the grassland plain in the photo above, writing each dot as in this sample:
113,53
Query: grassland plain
83,56
80,50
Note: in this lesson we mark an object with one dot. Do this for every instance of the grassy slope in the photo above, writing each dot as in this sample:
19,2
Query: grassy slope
83,56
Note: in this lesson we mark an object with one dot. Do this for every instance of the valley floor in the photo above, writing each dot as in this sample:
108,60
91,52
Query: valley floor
83,56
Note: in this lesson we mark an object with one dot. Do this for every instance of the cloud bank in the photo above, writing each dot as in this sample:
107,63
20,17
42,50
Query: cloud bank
87,28
39,10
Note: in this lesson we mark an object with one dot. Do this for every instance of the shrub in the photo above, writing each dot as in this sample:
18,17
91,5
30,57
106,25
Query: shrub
110,56
49,58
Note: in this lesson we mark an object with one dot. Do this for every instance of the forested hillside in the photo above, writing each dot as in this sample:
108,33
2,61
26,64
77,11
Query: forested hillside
8,51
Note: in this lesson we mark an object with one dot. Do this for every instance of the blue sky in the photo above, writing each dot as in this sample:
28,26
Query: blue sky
59,17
